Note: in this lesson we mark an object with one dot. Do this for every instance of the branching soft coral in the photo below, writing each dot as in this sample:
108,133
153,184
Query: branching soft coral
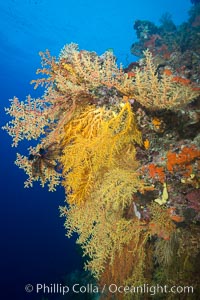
92,144
161,225
123,183
160,93
29,119
102,233
41,165
77,81
100,172
88,70
87,136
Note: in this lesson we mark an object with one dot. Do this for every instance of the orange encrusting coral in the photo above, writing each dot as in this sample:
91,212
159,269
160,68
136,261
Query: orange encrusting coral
155,172
182,159
131,74
173,216
158,125
167,72
196,88
146,144
156,122
181,80
177,79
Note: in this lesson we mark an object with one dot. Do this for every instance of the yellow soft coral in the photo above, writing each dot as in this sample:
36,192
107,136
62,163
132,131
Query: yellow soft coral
102,233
117,187
93,141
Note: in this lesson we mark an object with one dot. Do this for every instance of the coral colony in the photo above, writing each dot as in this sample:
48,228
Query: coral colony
124,144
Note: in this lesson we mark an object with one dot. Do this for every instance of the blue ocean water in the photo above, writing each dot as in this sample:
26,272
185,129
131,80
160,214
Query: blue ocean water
34,248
